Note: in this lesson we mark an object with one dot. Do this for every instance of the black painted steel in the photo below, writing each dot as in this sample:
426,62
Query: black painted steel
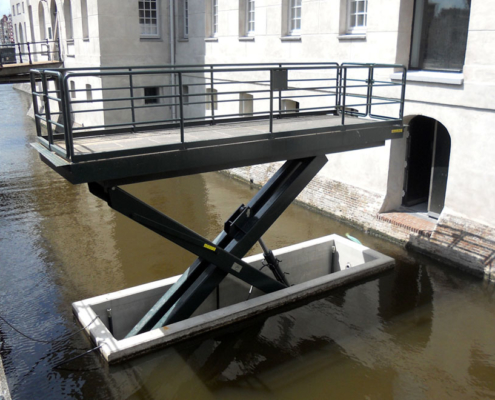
250,223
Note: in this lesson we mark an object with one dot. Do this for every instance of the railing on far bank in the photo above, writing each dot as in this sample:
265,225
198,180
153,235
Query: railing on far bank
110,100
28,52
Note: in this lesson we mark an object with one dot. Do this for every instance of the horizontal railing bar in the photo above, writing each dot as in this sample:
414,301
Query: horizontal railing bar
129,124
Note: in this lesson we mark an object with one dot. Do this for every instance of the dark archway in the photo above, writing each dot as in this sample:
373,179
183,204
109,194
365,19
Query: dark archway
428,155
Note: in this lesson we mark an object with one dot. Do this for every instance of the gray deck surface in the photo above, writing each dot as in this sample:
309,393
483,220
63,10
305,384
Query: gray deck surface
115,142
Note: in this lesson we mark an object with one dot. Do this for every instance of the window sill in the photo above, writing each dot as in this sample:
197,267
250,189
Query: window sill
291,39
151,39
446,78
86,39
246,38
183,40
211,39
352,36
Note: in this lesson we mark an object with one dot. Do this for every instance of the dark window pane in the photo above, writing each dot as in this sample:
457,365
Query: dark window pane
444,33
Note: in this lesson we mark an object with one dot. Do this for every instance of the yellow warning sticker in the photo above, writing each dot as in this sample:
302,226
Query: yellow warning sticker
207,246
397,130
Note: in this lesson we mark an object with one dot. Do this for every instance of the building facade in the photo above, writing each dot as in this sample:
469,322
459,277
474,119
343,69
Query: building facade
443,169
6,30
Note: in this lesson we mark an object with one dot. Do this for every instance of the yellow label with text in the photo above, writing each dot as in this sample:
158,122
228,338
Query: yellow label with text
207,246
397,130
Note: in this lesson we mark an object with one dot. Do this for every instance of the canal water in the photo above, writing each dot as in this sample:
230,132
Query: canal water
422,331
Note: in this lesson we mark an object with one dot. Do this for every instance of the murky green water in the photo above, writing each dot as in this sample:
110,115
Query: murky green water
423,331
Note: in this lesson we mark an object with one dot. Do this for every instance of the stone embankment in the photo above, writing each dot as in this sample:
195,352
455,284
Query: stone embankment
463,243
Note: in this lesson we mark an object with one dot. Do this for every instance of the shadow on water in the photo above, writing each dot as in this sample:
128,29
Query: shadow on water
420,331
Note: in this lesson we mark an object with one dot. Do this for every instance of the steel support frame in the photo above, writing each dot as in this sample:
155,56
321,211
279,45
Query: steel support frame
224,254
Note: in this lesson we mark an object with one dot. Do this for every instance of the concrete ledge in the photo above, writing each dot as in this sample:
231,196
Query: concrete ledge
446,78
4,388
315,266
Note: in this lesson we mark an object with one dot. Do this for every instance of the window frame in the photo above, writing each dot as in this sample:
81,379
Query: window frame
214,18
416,61
352,28
249,12
185,19
142,26
293,5
151,98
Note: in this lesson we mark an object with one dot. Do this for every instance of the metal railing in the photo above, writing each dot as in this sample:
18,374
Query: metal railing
20,53
73,103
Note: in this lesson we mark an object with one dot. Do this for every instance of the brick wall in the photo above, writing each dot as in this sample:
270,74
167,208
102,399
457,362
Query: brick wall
460,242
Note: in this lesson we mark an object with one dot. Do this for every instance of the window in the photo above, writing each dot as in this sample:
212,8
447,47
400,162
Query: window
186,19
214,18
68,19
245,105
151,93
295,17
357,11
148,18
72,89
185,94
211,97
41,18
89,92
250,18
23,10
440,35
13,11
18,8
84,17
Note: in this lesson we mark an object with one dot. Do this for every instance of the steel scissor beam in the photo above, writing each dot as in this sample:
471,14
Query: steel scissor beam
221,256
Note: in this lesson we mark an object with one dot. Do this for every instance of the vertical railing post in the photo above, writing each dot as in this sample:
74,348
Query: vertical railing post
271,102
58,49
181,108
20,52
131,92
65,108
403,93
212,102
280,98
29,54
343,76
369,93
48,50
48,116
35,103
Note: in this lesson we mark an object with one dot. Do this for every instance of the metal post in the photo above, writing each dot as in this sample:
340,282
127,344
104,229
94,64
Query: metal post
131,92
403,93
271,110
181,108
66,106
58,48
29,54
211,96
48,50
20,52
35,104
369,94
47,108
280,98
343,86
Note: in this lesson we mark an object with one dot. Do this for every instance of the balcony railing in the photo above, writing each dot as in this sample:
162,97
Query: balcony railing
29,52
72,103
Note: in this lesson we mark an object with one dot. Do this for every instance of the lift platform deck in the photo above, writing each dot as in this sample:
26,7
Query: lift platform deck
113,126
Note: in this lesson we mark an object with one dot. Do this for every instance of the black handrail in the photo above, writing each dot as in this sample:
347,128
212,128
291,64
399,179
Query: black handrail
33,48
128,99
